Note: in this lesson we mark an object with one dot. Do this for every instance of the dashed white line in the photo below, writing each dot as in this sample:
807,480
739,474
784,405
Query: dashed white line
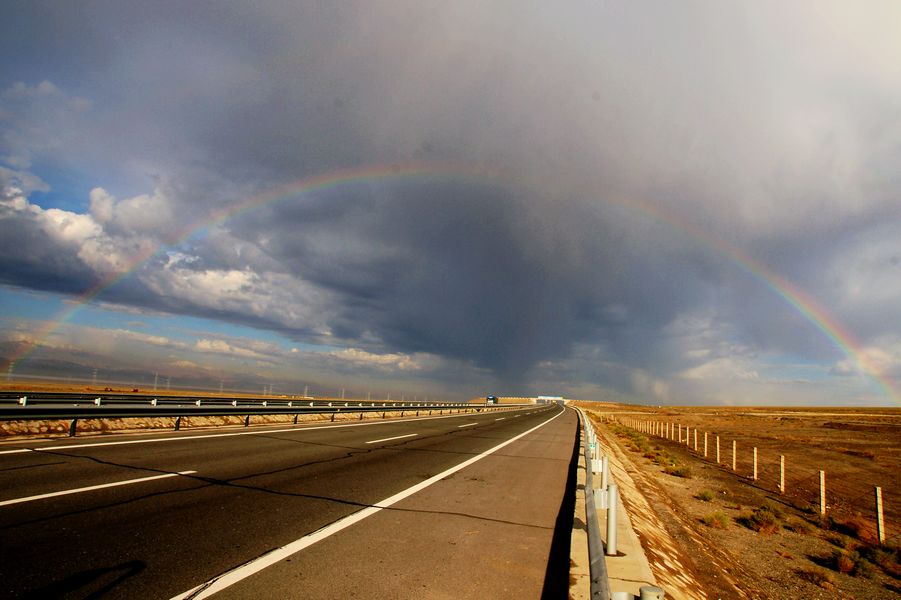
92,487
500,419
467,425
397,437
237,574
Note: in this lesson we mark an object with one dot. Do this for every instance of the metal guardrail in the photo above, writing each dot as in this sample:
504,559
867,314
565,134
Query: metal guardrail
71,407
597,569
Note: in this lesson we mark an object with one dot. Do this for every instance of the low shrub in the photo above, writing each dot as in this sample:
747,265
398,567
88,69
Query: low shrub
851,563
888,559
716,520
818,577
704,495
855,526
773,508
761,520
841,562
678,471
798,526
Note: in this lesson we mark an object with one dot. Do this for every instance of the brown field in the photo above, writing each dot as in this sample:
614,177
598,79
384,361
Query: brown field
788,550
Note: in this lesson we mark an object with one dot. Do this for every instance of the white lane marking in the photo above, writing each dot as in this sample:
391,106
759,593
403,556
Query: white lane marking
467,424
501,419
92,488
397,437
221,435
229,578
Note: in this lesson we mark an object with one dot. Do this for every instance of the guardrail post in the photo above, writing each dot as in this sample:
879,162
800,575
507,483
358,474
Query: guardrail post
177,423
605,470
72,425
612,500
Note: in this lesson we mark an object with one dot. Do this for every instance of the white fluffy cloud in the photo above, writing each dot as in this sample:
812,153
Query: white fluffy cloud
391,362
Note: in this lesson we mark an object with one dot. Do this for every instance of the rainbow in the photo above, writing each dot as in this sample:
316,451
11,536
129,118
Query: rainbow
784,289
840,337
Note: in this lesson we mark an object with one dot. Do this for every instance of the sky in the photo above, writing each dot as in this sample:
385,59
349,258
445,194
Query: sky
692,203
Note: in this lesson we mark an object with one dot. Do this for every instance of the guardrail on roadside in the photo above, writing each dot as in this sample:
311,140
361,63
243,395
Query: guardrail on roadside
72,407
597,569
606,498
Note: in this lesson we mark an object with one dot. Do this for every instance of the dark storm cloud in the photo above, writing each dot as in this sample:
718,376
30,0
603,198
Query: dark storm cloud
472,272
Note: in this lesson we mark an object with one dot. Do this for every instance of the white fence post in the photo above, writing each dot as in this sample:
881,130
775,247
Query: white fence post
822,492
880,523
781,474
733,454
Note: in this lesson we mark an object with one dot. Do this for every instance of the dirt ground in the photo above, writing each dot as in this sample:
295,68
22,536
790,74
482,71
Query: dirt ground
742,538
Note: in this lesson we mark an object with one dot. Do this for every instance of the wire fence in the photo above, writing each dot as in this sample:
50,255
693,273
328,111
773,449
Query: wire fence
842,497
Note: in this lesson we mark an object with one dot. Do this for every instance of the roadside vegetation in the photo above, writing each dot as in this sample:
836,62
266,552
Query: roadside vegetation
638,443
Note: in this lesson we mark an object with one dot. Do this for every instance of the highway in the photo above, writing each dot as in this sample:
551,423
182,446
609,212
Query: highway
461,506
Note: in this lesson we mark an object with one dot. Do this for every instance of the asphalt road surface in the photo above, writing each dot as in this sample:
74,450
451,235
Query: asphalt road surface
464,506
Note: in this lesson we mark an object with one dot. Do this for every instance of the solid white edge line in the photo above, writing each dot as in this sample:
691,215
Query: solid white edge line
397,437
229,578
233,434
92,488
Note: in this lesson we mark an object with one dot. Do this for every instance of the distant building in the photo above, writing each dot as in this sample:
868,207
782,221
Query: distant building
549,400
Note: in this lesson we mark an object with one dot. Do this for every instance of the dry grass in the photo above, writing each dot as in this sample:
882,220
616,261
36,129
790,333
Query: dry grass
762,520
716,520
819,577
705,496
